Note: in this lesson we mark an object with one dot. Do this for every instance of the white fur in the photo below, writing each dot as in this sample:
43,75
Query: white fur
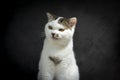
62,48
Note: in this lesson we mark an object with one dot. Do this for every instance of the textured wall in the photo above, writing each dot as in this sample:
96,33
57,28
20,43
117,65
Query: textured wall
96,38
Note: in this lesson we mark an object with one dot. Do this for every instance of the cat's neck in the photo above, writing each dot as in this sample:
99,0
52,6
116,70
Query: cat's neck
49,44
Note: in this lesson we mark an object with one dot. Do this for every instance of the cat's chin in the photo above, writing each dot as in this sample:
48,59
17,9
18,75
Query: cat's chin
53,38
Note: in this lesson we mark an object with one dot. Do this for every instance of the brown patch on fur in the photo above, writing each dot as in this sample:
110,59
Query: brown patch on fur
55,60
64,22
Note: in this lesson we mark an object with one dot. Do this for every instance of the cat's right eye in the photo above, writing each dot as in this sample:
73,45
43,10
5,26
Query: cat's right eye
50,27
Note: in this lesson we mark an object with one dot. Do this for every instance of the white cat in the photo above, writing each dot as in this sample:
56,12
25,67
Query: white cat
57,60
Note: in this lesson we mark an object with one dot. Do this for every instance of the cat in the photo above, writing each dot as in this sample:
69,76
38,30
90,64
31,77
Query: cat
57,61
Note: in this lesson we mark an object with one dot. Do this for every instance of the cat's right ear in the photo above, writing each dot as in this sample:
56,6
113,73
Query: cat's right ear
72,21
50,16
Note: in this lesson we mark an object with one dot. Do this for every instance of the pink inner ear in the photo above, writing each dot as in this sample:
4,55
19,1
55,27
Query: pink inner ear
73,21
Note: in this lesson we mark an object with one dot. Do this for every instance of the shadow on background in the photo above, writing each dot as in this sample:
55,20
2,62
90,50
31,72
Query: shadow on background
96,39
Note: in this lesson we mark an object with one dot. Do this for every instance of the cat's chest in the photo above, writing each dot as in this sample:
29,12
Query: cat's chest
58,58
56,53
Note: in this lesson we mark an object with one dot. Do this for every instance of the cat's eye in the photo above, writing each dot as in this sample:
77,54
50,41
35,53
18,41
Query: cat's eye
50,27
61,30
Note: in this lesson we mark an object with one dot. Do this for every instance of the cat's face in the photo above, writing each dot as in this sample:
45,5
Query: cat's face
59,29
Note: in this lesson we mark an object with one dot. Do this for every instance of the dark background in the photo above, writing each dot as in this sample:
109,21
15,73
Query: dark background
96,39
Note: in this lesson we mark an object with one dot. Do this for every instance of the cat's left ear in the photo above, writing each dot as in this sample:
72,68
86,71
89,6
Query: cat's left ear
72,21
51,17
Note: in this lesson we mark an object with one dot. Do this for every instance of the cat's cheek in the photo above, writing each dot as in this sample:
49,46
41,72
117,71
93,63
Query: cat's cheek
60,37
48,35
48,32
67,34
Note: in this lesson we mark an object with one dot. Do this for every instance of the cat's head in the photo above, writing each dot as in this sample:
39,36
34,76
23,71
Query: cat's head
60,29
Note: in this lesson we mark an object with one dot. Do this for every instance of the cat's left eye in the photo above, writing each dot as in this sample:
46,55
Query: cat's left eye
61,30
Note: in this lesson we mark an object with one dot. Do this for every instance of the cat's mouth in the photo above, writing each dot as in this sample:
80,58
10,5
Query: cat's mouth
54,38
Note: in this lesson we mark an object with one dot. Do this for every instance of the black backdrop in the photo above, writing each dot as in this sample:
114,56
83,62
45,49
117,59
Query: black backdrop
96,39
